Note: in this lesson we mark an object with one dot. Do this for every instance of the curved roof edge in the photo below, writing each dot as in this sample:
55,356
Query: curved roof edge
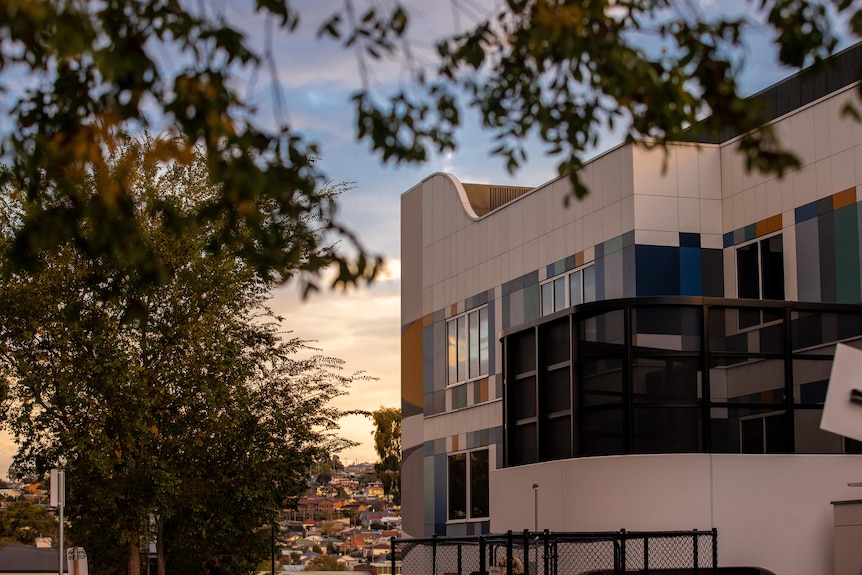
479,200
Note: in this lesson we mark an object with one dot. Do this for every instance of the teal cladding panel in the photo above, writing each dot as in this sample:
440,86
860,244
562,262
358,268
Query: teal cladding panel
847,279
690,278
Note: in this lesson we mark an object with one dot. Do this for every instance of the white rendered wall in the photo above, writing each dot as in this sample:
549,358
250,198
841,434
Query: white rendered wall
771,511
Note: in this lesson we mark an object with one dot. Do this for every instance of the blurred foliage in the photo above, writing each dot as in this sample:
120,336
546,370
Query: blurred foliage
182,412
559,70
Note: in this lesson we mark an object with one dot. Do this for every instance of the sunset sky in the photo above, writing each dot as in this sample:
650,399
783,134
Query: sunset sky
316,79
362,326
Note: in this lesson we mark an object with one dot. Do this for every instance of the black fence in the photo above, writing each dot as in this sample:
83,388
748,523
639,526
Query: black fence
546,553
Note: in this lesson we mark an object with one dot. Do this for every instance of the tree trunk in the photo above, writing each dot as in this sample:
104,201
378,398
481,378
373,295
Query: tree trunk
161,560
135,553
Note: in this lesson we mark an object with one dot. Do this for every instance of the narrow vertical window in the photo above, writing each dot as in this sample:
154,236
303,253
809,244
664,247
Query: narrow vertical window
576,294
479,490
458,486
559,294
760,269
590,284
772,268
547,298
473,322
462,348
452,354
748,272
483,340
467,346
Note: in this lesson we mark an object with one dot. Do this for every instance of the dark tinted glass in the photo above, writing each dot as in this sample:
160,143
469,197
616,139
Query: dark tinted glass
748,272
458,486
556,438
479,492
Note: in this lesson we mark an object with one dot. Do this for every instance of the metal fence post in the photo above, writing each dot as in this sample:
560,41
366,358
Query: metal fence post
623,563
509,552
646,555
526,552
482,558
433,554
715,551
547,550
696,561
392,556
460,567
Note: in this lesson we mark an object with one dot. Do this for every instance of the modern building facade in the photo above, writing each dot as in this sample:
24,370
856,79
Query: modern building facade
654,356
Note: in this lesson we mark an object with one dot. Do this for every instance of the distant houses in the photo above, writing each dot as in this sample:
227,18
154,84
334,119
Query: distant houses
344,523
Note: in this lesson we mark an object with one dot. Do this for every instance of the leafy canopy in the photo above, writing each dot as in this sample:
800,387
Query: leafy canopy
387,443
559,70
181,409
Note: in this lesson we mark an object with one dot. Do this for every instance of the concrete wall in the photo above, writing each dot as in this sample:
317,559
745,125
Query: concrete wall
771,511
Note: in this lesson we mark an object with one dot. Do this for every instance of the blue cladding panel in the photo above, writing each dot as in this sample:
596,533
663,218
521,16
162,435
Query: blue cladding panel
728,239
657,270
600,277
806,212
690,271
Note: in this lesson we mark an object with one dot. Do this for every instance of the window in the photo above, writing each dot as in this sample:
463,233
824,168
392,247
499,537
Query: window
569,289
760,269
469,492
467,354
760,275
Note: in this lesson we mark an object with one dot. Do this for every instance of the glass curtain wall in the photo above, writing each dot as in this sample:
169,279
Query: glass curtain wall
670,375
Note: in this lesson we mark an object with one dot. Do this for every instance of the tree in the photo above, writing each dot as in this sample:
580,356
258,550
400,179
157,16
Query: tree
557,69
324,563
23,521
181,411
387,443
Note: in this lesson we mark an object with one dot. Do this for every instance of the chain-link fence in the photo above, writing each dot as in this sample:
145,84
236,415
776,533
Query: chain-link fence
546,553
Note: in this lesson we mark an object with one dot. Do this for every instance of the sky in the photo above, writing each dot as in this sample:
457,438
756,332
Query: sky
362,326
316,79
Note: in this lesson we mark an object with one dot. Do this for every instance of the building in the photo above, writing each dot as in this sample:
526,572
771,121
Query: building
652,357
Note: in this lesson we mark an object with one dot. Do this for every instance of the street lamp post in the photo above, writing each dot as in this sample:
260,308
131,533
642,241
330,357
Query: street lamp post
536,506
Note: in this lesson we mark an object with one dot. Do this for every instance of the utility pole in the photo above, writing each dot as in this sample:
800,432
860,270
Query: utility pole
58,500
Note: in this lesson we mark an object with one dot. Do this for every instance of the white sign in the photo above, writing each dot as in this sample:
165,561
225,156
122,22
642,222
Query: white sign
842,411
76,561
58,488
